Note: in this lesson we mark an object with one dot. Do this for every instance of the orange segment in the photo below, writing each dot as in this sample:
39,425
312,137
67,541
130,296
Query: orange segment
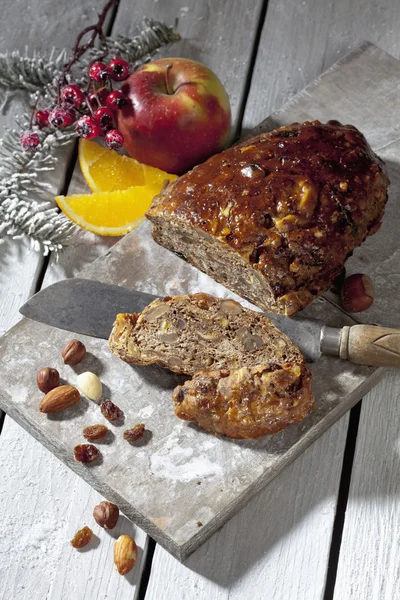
109,213
107,171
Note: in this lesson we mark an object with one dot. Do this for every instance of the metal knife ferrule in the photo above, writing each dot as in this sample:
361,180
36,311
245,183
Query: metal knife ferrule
330,340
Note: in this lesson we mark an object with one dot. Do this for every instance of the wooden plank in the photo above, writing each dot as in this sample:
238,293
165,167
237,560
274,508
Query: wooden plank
293,50
71,261
276,547
369,554
299,41
219,34
43,505
38,515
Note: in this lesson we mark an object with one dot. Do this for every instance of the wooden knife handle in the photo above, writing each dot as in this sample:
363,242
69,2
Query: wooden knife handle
370,345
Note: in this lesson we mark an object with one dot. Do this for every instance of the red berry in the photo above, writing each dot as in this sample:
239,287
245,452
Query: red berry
116,100
87,127
73,95
42,117
29,140
114,139
118,69
92,100
98,72
102,95
105,117
61,117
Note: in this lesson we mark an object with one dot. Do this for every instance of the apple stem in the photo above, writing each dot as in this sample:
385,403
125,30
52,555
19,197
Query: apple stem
169,91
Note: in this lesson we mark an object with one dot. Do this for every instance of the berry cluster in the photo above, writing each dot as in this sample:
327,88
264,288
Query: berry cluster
93,112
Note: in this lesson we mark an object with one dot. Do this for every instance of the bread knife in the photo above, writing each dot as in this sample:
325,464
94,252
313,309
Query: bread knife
89,307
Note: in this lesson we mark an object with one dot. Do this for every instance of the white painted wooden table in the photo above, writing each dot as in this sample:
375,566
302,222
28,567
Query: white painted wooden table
329,525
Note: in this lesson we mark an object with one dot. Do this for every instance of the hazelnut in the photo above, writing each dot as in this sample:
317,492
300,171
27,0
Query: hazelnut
48,379
106,514
73,352
357,293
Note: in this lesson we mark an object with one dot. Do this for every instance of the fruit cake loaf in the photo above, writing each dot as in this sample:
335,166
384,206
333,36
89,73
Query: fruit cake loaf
198,332
275,217
246,403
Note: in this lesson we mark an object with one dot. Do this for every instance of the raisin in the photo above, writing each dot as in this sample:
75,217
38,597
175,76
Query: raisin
86,453
95,432
110,411
82,537
135,433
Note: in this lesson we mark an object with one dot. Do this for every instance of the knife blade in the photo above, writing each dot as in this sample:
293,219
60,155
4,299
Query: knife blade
89,307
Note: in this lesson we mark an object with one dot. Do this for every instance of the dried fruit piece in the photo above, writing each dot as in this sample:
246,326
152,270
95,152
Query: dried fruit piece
60,398
125,554
48,379
110,411
135,433
73,352
82,537
357,293
95,432
106,514
86,453
90,385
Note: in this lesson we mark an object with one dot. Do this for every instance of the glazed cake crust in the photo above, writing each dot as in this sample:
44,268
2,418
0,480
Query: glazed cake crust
274,218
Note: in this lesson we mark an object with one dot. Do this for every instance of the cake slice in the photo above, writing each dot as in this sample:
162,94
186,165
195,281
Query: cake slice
248,378
199,332
246,403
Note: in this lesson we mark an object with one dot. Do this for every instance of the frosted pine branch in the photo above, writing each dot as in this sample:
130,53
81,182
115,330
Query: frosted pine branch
29,73
26,201
19,71
27,207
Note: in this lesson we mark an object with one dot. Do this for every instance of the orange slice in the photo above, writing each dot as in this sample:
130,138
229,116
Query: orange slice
109,213
107,171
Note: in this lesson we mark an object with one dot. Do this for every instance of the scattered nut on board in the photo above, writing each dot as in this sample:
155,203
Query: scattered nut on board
357,293
135,433
59,398
73,352
82,537
125,554
86,453
95,432
90,385
106,514
47,379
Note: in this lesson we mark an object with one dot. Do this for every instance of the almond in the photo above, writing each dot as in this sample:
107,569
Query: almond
59,398
125,554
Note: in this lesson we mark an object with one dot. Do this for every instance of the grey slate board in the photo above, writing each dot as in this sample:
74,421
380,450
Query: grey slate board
182,475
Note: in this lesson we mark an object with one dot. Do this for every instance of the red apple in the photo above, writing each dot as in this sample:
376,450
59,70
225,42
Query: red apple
177,116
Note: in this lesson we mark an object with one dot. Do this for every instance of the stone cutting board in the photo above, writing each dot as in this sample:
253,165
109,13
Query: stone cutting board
181,484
